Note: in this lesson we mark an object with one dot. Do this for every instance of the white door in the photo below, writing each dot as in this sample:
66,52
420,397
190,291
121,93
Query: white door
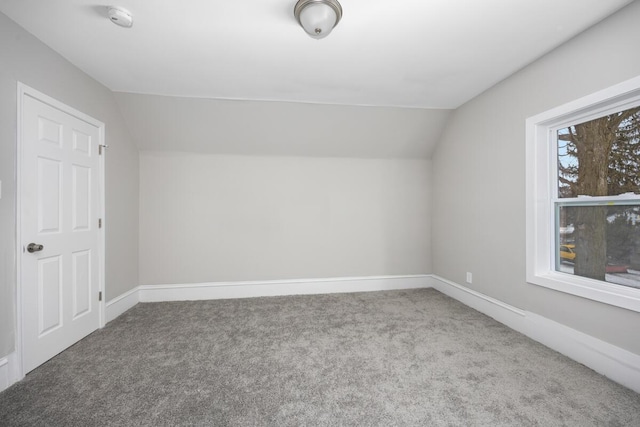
60,203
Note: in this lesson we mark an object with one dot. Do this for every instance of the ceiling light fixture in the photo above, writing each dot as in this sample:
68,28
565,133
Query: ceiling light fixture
318,17
120,16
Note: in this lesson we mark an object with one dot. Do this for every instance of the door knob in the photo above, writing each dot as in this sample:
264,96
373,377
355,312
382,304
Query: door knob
34,247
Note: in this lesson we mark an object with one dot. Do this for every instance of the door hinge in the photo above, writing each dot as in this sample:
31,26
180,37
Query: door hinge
100,147
99,222
100,296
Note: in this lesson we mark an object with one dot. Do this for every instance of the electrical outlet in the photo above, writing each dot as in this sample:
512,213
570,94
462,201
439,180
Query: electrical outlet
469,278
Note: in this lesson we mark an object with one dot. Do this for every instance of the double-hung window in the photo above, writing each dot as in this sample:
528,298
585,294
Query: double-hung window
583,197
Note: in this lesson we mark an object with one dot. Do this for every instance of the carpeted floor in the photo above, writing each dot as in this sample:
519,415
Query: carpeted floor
398,358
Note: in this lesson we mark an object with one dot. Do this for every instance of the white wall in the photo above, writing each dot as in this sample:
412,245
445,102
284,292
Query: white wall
479,177
207,218
24,58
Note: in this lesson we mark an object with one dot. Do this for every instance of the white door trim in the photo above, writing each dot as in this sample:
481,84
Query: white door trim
24,90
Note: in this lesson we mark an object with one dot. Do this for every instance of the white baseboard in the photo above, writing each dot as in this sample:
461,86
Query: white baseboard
9,371
618,364
225,290
503,313
4,374
122,303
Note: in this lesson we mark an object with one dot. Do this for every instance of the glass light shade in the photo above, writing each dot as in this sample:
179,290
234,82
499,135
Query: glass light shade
318,17
318,20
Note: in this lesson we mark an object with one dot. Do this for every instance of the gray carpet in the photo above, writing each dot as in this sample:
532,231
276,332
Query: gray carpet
398,358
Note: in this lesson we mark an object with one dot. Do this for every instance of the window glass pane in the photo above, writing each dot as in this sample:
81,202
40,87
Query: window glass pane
600,157
600,242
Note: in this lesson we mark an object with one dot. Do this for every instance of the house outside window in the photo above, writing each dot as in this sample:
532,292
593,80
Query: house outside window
583,197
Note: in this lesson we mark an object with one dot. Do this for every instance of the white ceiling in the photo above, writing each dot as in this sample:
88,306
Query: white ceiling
402,53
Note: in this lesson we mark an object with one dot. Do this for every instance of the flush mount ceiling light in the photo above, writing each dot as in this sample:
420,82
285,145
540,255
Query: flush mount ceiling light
318,17
120,16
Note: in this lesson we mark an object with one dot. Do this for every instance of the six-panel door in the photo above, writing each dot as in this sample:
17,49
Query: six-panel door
59,210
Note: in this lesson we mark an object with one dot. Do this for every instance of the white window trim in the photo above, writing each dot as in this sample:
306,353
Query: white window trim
541,192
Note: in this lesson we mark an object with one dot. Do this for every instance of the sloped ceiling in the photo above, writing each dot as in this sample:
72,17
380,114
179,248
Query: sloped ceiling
280,128
402,54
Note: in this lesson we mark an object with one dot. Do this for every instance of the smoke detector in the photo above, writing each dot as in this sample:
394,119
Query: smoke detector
120,16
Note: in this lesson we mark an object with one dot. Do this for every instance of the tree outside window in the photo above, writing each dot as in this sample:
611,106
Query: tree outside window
598,198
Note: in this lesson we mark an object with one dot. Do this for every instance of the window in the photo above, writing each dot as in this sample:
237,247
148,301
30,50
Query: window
583,197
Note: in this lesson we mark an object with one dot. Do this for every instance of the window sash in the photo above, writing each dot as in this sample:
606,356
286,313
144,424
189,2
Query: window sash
581,202
620,200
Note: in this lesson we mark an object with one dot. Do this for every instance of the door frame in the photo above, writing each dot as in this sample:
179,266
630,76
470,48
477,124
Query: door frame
23,91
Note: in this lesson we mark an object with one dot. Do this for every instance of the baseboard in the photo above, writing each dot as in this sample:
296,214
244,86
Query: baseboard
4,373
122,303
618,364
9,371
613,362
226,290
503,313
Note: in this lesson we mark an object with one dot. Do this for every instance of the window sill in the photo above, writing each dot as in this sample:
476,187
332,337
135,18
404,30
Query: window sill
612,294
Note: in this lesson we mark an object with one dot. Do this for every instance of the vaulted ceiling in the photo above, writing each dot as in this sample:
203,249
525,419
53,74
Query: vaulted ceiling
404,53
424,54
